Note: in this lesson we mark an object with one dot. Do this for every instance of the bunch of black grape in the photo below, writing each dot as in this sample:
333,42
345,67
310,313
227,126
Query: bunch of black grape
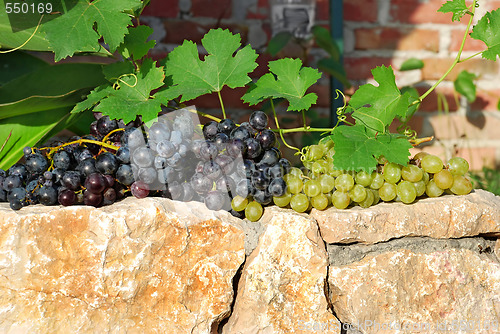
81,171
242,162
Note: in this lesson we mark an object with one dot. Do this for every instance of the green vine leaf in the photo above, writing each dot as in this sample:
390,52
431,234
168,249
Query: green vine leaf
357,149
74,31
131,96
411,64
136,44
486,30
464,84
376,107
223,66
457,7
289,80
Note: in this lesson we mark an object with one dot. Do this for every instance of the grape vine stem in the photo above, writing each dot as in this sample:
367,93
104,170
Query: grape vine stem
457,58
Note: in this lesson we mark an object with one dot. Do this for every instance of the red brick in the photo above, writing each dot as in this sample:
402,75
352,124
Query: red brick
322,10
416,11
360,68
470,43
475,126
396,39
434,68
415,123
486,100
161,8
477,157
360,10
211,8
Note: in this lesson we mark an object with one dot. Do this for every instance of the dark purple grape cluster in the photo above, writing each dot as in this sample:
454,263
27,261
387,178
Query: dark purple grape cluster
78,172
171,158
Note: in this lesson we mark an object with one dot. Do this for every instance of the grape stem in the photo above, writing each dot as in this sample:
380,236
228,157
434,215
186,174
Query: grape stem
221,105
418,141
278,129
457,58
79,141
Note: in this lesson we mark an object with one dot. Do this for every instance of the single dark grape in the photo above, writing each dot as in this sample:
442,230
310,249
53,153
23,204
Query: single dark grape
236,148
277,187
221,140
71,180
270,157
109,196
11,182
47,196
285,164
93,130
226,126
200,183
137,137
254,149
165,148
275,171
214,200
159,132
105,125
123,155
16,204
143,157
147,175
176,190
17,194
27,151
36,163
48,175
225,184
18,169
106,163
259,180
266,138
245,125
262,197
86,167
125,175
110,181
208,151
210,129
244,188
92,199
226,163
66,197
258,120
241,133
139,189
212,170
82,153
95,183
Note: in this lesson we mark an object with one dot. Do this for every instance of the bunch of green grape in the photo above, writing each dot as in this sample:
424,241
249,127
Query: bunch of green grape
319,185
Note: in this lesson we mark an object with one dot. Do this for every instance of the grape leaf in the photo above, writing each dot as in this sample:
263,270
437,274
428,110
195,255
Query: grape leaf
356,149
93,98
376,107
136,44
74,30
132,97
457,7
287,80
487,30
224,65
464,84
411,64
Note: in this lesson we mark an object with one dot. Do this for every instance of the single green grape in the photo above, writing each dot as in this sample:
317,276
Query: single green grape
368,201
376,196
282,200
420,187
443,179
431,164
406,192
299,202
357,193
340,199
344,182
315,152
387,192
320,167
426,177
320,202
411,173
253,211
461,185
295,171
377,181
432,189
363,178
458,166
239,203
312,188
294,184
327,183
392,172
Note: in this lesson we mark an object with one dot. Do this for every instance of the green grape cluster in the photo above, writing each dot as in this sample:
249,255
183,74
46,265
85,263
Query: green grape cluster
319,185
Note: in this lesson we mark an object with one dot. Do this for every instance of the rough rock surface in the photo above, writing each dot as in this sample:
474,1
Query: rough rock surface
453,290
442,217
282,287
133,267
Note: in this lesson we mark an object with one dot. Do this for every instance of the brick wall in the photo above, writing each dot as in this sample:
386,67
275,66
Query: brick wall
383,32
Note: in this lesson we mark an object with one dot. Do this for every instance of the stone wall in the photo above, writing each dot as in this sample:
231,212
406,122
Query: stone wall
160,266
